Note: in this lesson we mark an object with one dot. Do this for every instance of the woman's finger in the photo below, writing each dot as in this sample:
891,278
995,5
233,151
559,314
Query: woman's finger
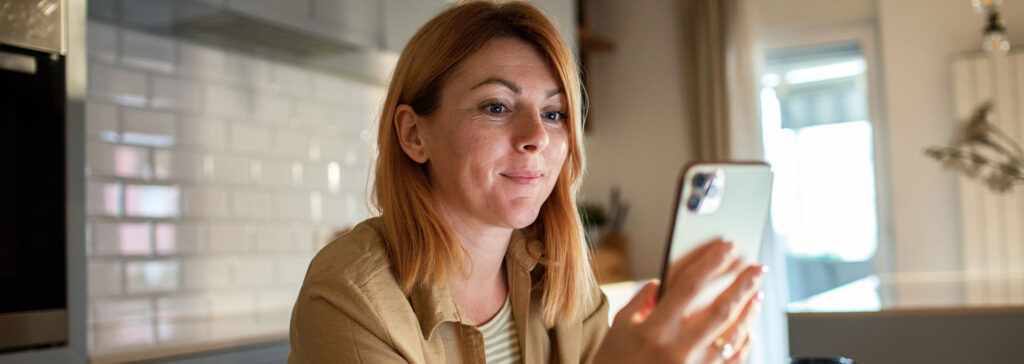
740,327
689,275
640,306
743,352
715,319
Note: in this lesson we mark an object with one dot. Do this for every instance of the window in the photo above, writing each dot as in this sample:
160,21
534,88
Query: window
820,142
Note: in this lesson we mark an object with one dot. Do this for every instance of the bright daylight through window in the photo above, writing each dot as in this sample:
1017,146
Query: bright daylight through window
819,140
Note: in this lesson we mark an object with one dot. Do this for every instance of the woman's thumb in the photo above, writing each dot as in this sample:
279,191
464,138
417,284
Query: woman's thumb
641,305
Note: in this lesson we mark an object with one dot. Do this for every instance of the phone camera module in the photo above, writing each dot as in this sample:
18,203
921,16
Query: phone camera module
699,180
693,203
712,191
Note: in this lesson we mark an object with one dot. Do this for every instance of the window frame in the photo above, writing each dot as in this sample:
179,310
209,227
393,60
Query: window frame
864,34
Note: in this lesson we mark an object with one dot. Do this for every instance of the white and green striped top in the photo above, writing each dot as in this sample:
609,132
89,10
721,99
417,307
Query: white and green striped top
501,343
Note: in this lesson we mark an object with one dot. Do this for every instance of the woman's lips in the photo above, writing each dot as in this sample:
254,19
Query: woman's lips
524,177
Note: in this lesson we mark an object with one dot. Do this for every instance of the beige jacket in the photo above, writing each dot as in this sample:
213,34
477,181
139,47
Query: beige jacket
351,310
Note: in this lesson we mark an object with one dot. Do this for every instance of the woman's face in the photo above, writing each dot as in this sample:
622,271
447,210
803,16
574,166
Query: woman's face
498,140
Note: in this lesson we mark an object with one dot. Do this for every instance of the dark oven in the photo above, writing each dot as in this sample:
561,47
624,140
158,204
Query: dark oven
33,281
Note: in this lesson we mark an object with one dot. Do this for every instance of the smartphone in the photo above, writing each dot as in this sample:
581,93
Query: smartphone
727,200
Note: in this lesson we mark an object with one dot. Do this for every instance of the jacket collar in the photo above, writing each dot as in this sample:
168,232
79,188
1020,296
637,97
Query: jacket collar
434,305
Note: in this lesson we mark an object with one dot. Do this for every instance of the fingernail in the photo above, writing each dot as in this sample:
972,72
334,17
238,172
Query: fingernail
760,295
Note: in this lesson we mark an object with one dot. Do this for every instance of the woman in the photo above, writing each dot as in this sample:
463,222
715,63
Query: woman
478,254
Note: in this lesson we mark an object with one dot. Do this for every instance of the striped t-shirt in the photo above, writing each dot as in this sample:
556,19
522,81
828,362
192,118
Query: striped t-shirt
501,343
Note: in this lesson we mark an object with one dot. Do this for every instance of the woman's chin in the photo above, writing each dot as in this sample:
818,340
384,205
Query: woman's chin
522,219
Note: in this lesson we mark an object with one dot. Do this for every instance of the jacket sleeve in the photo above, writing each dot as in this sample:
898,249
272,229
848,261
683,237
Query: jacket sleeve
338,326
595,325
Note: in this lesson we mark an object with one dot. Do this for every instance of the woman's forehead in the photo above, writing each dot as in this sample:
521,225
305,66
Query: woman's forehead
503,60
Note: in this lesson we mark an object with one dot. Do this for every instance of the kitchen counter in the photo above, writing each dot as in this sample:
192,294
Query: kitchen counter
936,317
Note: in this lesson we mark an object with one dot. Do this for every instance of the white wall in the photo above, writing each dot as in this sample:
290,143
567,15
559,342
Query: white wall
919,38
805,13
639,138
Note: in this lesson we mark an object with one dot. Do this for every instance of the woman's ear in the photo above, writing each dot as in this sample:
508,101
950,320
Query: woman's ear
408,124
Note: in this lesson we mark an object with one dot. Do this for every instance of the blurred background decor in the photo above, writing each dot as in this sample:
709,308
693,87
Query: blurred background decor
609,245
983,150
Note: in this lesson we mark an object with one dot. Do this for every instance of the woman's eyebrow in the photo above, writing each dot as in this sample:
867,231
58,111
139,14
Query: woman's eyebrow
497,81
513,86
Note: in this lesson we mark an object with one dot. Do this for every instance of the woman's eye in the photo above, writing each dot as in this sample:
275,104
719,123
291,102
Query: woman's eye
496,108
554,115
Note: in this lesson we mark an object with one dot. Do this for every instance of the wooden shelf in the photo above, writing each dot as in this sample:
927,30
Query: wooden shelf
590,42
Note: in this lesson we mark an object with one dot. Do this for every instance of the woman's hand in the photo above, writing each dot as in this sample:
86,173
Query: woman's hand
674,331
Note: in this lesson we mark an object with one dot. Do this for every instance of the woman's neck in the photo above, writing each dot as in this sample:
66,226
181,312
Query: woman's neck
482,292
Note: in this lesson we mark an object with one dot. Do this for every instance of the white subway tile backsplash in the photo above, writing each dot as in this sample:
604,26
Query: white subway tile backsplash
202,60
128,335
119,310
172,93
227,100
272,108
151,52
102,40
245,70
290,143
159,201
250,138
279,299
254,271
229,170
356,207
189,306
273,173
121,238
333,149
103,198
104,278
172,165
291,268
316,206
229,238
292,206
232,303
315,176
101,122
114,160
149,128
205,273
152,276
329,89
180,238
170,331
309,113
272,238
120,86
204,202
249,204
284,238
203,133
335,209
292,79
333,177
226,169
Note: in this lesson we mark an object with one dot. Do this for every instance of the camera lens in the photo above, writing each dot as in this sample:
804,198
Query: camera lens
693,203
699,180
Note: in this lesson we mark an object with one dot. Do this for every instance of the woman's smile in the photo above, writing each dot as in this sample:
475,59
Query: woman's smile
527,177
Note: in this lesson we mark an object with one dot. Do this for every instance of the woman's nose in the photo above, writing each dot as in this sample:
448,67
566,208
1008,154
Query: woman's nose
532,137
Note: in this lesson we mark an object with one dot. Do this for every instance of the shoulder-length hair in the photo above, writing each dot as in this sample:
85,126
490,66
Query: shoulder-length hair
421,245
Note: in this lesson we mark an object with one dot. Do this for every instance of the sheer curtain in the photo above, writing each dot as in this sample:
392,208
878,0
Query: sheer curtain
720,62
